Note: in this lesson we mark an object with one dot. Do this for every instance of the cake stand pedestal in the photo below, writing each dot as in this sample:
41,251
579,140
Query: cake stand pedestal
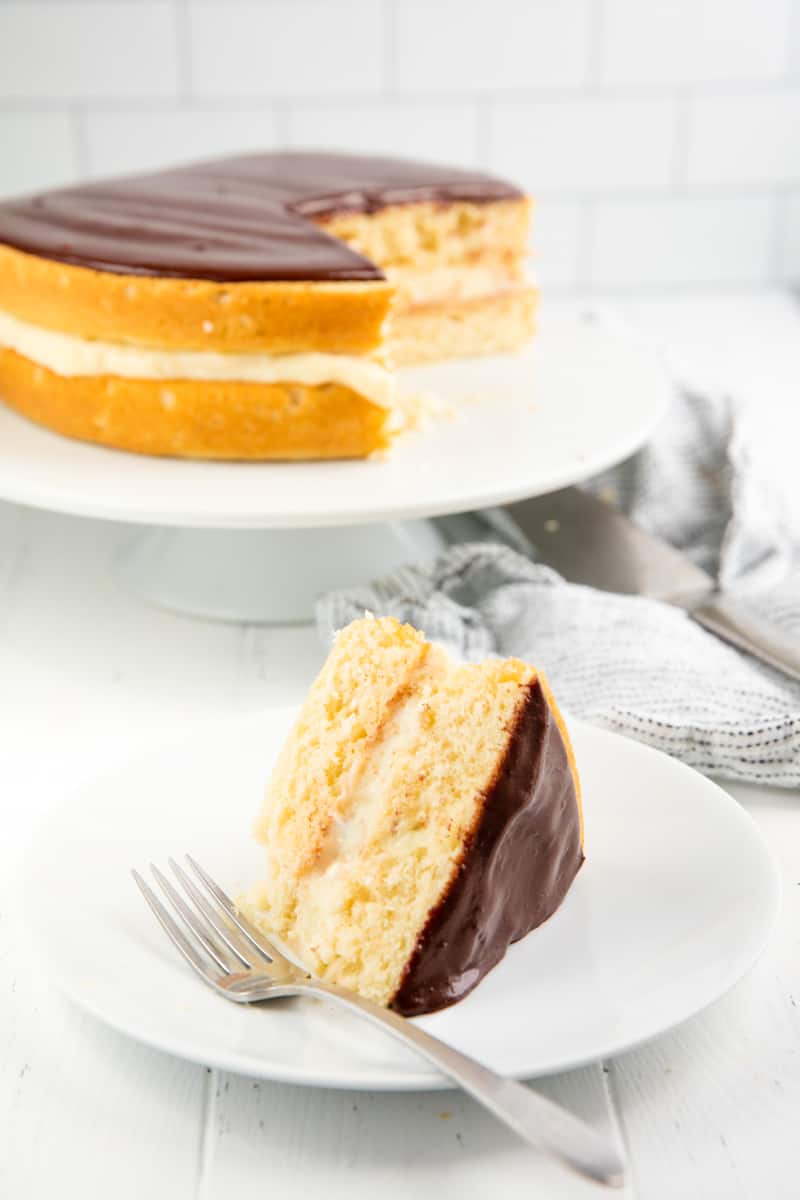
269,576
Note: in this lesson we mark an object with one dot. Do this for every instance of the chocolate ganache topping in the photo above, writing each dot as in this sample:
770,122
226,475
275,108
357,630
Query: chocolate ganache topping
234,219
523,856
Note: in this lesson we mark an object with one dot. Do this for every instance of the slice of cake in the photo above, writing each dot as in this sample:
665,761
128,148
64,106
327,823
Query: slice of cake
250,308
422,816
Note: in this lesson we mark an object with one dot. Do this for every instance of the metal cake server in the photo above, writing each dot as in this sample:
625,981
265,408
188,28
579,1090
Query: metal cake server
589,542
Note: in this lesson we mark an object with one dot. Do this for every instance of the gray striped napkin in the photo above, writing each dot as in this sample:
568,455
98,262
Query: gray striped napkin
634,665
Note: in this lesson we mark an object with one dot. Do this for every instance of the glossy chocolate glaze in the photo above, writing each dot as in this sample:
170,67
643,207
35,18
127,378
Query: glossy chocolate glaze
523,856
233,219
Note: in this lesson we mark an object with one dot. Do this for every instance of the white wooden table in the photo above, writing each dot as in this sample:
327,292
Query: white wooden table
708,1112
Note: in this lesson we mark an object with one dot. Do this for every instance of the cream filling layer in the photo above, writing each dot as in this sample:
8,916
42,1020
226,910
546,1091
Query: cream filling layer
73,356
320,913
317,936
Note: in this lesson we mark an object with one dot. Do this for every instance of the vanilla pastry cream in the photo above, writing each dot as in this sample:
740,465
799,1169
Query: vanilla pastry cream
73,356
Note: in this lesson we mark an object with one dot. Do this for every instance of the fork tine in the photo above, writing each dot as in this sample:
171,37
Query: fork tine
225,933
253,935
173,931
189,917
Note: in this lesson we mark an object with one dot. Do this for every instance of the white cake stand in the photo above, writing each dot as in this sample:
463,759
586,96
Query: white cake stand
259,541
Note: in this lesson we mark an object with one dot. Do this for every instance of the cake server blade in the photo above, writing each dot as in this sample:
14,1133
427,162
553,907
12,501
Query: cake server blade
589,542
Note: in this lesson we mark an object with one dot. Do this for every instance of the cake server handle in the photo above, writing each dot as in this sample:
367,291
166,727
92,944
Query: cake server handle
537,1120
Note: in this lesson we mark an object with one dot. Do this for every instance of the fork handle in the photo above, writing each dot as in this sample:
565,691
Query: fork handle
538,1120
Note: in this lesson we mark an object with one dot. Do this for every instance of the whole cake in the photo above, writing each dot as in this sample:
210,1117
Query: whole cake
422,816
252,307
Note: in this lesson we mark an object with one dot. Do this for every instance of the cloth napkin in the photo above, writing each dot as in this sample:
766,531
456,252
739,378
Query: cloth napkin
627,663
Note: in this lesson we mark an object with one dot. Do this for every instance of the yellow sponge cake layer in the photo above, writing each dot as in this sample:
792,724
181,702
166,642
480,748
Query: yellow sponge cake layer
419,804
339,722
194,314
460,328
429,234
195,418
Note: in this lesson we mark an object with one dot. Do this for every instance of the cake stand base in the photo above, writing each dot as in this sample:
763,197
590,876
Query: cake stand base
270,576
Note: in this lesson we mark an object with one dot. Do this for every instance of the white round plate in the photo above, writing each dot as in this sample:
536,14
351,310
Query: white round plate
584,396
673,904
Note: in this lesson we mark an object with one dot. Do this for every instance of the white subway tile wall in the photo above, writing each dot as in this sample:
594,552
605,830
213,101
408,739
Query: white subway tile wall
88,51
117,142
750,138
661,136
286,48
493,45
694,41
437,131
789,261
682,240
37,150
589,145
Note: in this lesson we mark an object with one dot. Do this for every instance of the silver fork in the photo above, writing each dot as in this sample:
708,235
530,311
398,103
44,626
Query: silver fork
234,958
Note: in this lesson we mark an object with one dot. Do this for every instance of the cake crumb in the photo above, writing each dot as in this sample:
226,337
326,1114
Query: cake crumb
417,411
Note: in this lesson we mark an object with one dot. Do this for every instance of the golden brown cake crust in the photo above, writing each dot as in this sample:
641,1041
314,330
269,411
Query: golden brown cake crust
194,314
197,418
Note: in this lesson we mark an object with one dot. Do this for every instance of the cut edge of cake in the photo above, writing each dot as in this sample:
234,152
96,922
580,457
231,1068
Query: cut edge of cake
458,271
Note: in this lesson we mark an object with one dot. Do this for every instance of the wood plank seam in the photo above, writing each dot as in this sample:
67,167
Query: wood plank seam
205,1153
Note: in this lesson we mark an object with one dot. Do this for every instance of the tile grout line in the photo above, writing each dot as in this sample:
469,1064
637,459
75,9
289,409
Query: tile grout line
633,94
389,57
780,224
183,51
593,67
792,45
